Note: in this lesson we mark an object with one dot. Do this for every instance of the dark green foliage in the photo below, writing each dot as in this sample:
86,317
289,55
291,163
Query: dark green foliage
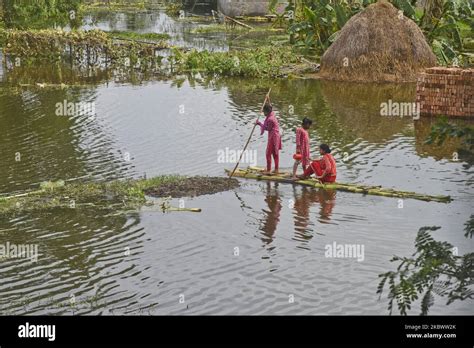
434,269
40,14
447,24
316,22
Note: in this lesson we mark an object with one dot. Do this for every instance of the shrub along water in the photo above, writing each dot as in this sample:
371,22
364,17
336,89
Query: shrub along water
87,48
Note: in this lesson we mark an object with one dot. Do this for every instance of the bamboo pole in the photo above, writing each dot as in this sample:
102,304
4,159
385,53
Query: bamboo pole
238,22
254,173
250,136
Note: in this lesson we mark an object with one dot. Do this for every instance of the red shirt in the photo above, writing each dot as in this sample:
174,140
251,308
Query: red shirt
302,143
328,164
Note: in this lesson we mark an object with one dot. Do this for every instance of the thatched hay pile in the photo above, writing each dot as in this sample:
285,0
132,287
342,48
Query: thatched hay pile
378,44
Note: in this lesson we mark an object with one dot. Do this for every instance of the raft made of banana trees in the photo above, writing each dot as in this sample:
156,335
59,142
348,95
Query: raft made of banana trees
257,173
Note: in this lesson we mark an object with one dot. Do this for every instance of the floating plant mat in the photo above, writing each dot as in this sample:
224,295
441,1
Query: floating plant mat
193,186
256,173
118,196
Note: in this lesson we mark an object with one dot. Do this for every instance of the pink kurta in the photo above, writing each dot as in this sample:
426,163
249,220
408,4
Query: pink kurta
302,143
274,139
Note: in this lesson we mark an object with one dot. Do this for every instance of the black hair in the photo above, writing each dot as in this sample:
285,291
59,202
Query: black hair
325,148
267,108
307,121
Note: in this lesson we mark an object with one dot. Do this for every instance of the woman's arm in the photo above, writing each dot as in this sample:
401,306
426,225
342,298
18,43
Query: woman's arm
262,126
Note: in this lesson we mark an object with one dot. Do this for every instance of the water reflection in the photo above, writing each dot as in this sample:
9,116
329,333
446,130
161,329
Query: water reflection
451,149
342,112
180,31
305,197
39,145
143,117
271,215
302,203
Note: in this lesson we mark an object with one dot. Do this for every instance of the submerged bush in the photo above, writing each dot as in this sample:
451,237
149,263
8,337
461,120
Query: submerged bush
90,48
263,61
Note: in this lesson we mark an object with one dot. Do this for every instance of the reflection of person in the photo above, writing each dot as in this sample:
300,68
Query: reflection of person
302,146
274,139
272,214
326,198
327,201
324,168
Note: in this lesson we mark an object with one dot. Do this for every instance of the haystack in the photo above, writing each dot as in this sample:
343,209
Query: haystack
378,44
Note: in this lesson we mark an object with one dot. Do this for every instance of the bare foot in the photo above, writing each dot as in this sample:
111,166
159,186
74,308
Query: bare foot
275,172
266,172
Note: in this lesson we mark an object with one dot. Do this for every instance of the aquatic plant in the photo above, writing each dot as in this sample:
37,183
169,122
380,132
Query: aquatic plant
138,36
117,196
114,5
262,61
88,48
173,8
104,195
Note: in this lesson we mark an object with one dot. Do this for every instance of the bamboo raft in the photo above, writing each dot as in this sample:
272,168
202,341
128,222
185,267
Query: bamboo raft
256,173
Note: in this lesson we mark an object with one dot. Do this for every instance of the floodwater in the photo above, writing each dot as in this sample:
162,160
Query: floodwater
258,249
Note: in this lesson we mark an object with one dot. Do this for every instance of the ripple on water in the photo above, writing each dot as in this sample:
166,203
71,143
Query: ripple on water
143,262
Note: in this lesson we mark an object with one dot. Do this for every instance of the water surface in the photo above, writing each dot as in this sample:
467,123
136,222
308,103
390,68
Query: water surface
251,249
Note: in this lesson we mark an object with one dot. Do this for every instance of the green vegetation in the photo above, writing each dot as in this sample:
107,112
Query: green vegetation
113,5
262,61
92,47
39,14
174,8
218,28
314,24
434,269
81,47
447,24
138,36
113,195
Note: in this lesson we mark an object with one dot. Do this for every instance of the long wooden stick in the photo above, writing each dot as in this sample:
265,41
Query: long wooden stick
250,136
238,22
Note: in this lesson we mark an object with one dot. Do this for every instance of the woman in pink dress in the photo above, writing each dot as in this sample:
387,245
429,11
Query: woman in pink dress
274,139
302,146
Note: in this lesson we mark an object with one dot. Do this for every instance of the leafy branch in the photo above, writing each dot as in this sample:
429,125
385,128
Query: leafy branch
434,269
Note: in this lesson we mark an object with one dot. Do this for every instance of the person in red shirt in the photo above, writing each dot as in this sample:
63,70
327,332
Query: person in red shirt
302,146
324,167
